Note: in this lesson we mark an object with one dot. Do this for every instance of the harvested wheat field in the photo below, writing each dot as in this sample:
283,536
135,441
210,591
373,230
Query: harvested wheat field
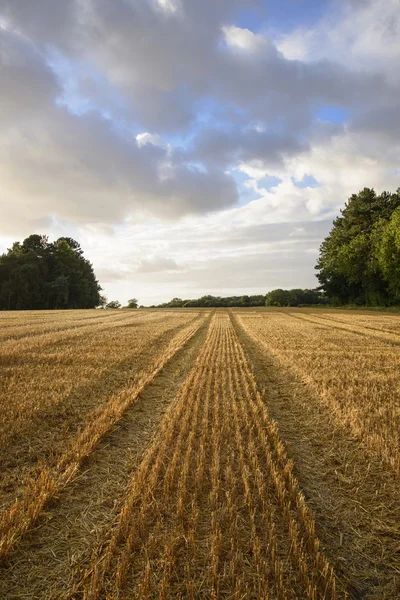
199,454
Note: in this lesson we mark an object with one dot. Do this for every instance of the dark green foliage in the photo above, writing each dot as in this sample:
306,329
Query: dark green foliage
387,254
274,298
132,303
215,302
296,297
359,261
37,274
114,304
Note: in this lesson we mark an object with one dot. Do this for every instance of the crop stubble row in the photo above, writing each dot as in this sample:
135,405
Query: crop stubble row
44,481
41,373
352,367
214,510
49,391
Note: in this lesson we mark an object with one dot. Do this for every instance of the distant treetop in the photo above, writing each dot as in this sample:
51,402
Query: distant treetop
38,274
274,298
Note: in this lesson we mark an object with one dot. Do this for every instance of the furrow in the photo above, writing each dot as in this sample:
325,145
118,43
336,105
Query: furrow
17,519
223,521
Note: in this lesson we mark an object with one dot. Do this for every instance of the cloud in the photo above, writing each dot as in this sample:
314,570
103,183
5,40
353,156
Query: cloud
243,39
150,138
111,275
365,35
383,122
27,83
172,132
161,64
83,168
209,254
156,264
233,147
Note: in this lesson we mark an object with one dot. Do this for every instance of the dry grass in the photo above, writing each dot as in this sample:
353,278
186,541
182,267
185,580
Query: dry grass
37,485
214,509
355,501
45,373
352,363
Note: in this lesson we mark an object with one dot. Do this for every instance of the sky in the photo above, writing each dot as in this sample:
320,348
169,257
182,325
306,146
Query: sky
195,147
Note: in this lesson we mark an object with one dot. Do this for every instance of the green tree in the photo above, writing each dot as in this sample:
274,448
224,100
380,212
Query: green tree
387,253
59,291
278,297
349,270
114,304
295,297
132,303
37,274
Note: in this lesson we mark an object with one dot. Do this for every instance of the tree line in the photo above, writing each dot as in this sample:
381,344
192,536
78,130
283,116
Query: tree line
132,303
38,274
278,297
214,302
359,261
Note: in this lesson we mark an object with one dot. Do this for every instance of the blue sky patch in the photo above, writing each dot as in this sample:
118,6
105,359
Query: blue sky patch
308,181
269,182
282,15
333,114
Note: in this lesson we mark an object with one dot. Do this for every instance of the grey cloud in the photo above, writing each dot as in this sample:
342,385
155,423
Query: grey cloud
224,148
179,60
162,64
380,121
81,167
47,21
108,176
28,85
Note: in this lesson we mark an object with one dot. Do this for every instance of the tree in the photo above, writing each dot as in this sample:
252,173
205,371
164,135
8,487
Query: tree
387,253
351,270
38,274
176,303
214,301
278,298
69,261
113,304
295,297
132,303
59,290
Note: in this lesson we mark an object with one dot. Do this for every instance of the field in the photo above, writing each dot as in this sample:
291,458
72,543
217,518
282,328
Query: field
199,454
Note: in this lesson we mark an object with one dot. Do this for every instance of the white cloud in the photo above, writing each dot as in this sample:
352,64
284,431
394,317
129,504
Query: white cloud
155,120
363,35
150,138
170,7
243,39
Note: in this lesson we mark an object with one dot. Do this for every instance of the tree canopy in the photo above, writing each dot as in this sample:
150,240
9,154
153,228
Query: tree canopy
359,261
295,297
132,303
114,304
215,302
38,274
278,297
